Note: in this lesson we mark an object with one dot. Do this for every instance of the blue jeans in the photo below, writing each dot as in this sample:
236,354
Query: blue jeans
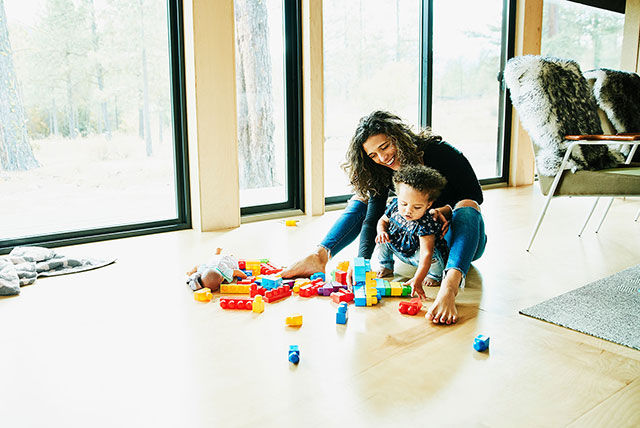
386,260
466,235
357,218
466,239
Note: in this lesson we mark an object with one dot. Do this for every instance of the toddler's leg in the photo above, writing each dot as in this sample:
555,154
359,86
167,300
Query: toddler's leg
435,271
385,258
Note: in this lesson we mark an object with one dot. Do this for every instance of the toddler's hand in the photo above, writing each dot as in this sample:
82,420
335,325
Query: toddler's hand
382,237
438,216
417,288
239,274
350,277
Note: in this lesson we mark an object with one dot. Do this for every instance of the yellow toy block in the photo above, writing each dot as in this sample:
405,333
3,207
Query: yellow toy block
370,279
203,295
343,266
372,300
396,288
291,222
294,320
258,304
235,288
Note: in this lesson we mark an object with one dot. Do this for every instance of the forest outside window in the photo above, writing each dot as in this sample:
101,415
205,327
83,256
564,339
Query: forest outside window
88,134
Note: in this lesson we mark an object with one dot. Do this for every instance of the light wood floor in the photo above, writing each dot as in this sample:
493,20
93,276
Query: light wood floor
127,346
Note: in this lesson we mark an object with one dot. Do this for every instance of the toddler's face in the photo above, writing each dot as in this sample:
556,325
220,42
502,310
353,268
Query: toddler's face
412,204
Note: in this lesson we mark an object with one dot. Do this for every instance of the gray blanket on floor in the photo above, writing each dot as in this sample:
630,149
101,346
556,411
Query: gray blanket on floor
24,264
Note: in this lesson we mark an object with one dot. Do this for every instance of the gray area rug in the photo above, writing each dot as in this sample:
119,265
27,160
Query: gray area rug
608,308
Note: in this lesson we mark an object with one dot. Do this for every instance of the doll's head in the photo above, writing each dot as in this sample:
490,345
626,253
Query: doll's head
211,279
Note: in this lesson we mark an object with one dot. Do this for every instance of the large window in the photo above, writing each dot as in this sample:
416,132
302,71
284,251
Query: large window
90,119
371,62
267,70
467,59
590,36
433,62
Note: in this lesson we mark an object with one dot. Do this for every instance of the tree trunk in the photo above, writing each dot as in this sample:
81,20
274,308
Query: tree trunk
145,87
255,100
105,125
15,150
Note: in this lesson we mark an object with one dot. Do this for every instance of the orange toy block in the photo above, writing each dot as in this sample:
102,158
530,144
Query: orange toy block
203,295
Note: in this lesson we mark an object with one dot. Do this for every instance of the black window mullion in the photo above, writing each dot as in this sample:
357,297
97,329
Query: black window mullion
426,62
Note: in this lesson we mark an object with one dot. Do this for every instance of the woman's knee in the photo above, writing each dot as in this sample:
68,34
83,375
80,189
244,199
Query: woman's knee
468,203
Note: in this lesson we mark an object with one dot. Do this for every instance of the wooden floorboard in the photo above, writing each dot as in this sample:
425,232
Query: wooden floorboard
126,345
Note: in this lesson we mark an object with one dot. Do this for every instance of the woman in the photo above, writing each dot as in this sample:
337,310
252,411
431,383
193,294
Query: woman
381,144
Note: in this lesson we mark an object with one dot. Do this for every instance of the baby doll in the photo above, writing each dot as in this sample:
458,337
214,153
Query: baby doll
219,269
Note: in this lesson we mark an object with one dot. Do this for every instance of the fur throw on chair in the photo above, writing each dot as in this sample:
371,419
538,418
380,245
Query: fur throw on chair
553,99
618,95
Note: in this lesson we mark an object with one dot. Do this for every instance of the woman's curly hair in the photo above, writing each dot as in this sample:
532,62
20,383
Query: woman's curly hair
366,176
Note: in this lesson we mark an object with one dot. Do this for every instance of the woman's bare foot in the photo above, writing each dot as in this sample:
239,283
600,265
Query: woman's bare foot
443,309
314,262
384,272
431,282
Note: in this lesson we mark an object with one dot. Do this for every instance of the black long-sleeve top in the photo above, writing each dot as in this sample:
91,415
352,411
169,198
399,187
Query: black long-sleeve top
462,182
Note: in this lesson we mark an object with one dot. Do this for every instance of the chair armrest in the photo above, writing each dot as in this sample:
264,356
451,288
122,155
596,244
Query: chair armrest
634,142
616,137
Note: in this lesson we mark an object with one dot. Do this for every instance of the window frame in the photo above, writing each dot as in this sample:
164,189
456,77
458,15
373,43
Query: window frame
179,118
293,113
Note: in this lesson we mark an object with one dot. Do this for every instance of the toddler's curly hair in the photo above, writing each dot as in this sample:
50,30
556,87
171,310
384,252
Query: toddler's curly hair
422,178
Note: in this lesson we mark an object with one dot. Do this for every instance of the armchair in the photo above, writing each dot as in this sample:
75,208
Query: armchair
573,157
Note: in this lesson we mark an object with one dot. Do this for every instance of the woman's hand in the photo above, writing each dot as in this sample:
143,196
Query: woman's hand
442,215
382,237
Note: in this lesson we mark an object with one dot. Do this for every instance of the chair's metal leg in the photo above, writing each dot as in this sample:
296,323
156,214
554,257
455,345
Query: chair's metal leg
593,208
637,216
544,211
605,214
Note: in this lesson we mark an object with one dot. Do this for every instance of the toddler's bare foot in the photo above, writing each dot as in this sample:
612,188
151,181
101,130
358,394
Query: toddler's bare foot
384,272
431,282
192,271
218,251
314,262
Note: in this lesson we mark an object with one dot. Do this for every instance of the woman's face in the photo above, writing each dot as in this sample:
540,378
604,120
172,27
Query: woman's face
382,150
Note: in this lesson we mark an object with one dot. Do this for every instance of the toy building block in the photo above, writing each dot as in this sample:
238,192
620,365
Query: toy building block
294,320
311,289
342,295
326,289
203,295
236,303
288,282
396,288
291,222
256,290
235,288
253,266
268,269
242,265
341,277
258,304
342,316
294,354
481,343
277,293
248,280
359,269
318,275
271,281
411,307
343,266
406,290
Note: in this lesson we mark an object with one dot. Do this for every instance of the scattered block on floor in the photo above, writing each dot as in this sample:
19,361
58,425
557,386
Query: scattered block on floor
203,295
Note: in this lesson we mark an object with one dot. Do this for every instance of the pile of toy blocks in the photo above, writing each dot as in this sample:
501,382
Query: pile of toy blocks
364,288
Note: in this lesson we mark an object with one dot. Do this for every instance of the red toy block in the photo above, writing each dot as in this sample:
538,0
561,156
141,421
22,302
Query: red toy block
277,294
311,289
268,269
242,265
341,277
342,296
236,303
247,280
410,308
257,290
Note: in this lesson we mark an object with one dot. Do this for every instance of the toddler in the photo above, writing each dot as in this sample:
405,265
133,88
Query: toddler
219,269
408,230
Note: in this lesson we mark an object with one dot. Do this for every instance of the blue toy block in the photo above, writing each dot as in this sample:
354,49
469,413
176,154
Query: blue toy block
317,275
271,281
294,354
481,343
247,272
342,316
